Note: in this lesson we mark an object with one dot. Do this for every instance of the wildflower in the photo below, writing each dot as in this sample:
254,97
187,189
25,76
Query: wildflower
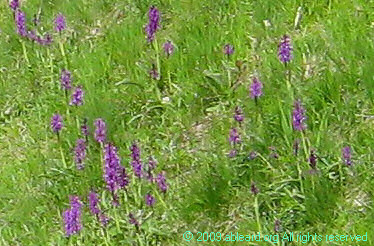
252,155
234,137
133,220
77,96
346,153
122,177
60,23
39,40
111,164
254,189
154,74
152,163
72,217
100,131
47,39
136,162
80,153
153,23
232,153
313,159
256,88
32,35
103,219
14,5
20,18
65,79
149,200
161,182
168,48
151,166
84,128
93,201
56,123
285,50
238,115
298,116
228,49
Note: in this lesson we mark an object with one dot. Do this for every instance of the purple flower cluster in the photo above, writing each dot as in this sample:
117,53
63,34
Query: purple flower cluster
77,96
153,23
59,23
161,182
20,19
256,88
56,123
234,137
298,116
66,79
21,28
14,5
238,115
123,179
93,201
347,155
111,166
149,200
84,128
47,40
103,219
151,166
80,153
100,131
313,159
115,175
233,153
72,217
168,48
136,162
228,49
285,50
154,74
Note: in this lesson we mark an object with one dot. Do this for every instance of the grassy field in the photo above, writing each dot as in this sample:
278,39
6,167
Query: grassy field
183,118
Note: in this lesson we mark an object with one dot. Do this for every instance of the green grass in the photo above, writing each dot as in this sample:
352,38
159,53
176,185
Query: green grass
107,53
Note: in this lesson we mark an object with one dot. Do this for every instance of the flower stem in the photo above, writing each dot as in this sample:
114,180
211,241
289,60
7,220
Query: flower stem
288,81
300,178
304,145
117,221
341,175
169,78
25,53
229,77
155,45
105,236
257,215
63,53
161,200
63,157
50,63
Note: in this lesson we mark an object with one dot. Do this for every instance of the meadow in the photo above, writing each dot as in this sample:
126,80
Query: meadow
133,122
